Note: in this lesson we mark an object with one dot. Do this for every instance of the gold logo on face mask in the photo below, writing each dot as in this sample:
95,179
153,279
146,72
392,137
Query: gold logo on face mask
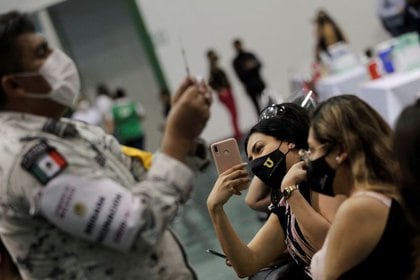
268,163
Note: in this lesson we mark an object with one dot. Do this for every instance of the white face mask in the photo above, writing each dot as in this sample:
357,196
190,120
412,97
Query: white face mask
61,74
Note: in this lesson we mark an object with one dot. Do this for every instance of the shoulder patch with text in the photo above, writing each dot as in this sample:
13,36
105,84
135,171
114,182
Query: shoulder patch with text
44,162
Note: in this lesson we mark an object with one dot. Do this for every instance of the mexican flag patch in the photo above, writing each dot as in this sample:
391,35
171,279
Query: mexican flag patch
44,162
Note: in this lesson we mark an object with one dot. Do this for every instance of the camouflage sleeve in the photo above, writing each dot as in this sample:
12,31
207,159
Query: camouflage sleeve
167,186
94,203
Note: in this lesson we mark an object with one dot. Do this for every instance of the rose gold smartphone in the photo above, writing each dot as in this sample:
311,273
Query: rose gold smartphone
225,154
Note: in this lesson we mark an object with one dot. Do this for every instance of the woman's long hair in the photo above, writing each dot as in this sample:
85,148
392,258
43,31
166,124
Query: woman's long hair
348,122
323,19
407,151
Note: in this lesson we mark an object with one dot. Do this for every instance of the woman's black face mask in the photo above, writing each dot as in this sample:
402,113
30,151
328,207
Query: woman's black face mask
320,176
270,168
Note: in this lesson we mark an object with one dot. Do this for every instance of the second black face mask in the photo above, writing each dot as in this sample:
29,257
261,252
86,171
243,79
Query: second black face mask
320,176
270,168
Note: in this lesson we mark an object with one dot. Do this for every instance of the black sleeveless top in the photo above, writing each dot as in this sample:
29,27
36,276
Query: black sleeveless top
391,258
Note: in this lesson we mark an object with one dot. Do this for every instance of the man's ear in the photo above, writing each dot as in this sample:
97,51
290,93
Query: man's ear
291,146
10,86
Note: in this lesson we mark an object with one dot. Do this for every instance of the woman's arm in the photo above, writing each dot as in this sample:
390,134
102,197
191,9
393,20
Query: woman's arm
360,219
258,196
265,247
314,225
314,220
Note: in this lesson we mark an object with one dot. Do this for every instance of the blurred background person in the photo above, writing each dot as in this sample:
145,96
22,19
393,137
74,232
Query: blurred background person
165,98
247,68
127,117
391,15
327,33
86,113
407,151
412,15
219,81
103,102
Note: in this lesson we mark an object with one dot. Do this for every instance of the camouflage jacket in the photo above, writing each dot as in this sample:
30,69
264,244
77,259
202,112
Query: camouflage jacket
38,155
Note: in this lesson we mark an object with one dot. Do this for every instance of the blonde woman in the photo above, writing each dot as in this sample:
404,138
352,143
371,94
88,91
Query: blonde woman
350,153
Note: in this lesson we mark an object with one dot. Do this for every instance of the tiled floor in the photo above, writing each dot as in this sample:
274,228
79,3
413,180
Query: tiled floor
196,231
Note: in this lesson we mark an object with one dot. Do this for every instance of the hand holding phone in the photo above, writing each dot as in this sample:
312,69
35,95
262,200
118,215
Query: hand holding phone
225,154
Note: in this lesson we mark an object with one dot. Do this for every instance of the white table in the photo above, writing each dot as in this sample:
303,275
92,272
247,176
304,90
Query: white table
390,94
344,83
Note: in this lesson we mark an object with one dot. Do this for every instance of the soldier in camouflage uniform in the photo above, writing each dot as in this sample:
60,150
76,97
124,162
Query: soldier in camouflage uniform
72,205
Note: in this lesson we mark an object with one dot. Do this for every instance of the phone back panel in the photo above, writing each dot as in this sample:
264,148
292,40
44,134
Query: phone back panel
225,154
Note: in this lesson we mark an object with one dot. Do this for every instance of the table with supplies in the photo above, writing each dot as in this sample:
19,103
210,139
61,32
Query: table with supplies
343,83
387,95
391,94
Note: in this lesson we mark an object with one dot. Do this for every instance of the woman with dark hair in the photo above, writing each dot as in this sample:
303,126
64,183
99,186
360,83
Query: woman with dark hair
293,127
350,153
300,218
220,83
407,151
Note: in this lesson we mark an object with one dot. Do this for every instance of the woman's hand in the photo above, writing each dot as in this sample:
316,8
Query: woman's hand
232,181
296,174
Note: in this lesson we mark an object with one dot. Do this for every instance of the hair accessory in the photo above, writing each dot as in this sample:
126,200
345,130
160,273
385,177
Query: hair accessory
271,111
306,101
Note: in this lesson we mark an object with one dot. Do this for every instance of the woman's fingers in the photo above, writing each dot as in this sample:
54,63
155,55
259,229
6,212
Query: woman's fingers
236,185
240,166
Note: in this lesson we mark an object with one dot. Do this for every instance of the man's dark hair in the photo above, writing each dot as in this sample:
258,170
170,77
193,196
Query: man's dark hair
12,25
210,53
237,41
291,126
120,93
102,89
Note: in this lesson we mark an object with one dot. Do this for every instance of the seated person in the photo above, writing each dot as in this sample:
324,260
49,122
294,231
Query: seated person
300,221
350,153
407,151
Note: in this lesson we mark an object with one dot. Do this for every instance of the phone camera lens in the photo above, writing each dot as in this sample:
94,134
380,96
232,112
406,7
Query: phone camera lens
216,149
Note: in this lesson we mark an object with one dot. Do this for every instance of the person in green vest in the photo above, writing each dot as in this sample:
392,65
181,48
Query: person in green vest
127,117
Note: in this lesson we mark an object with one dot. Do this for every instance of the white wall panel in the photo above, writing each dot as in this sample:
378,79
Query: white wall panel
281,33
